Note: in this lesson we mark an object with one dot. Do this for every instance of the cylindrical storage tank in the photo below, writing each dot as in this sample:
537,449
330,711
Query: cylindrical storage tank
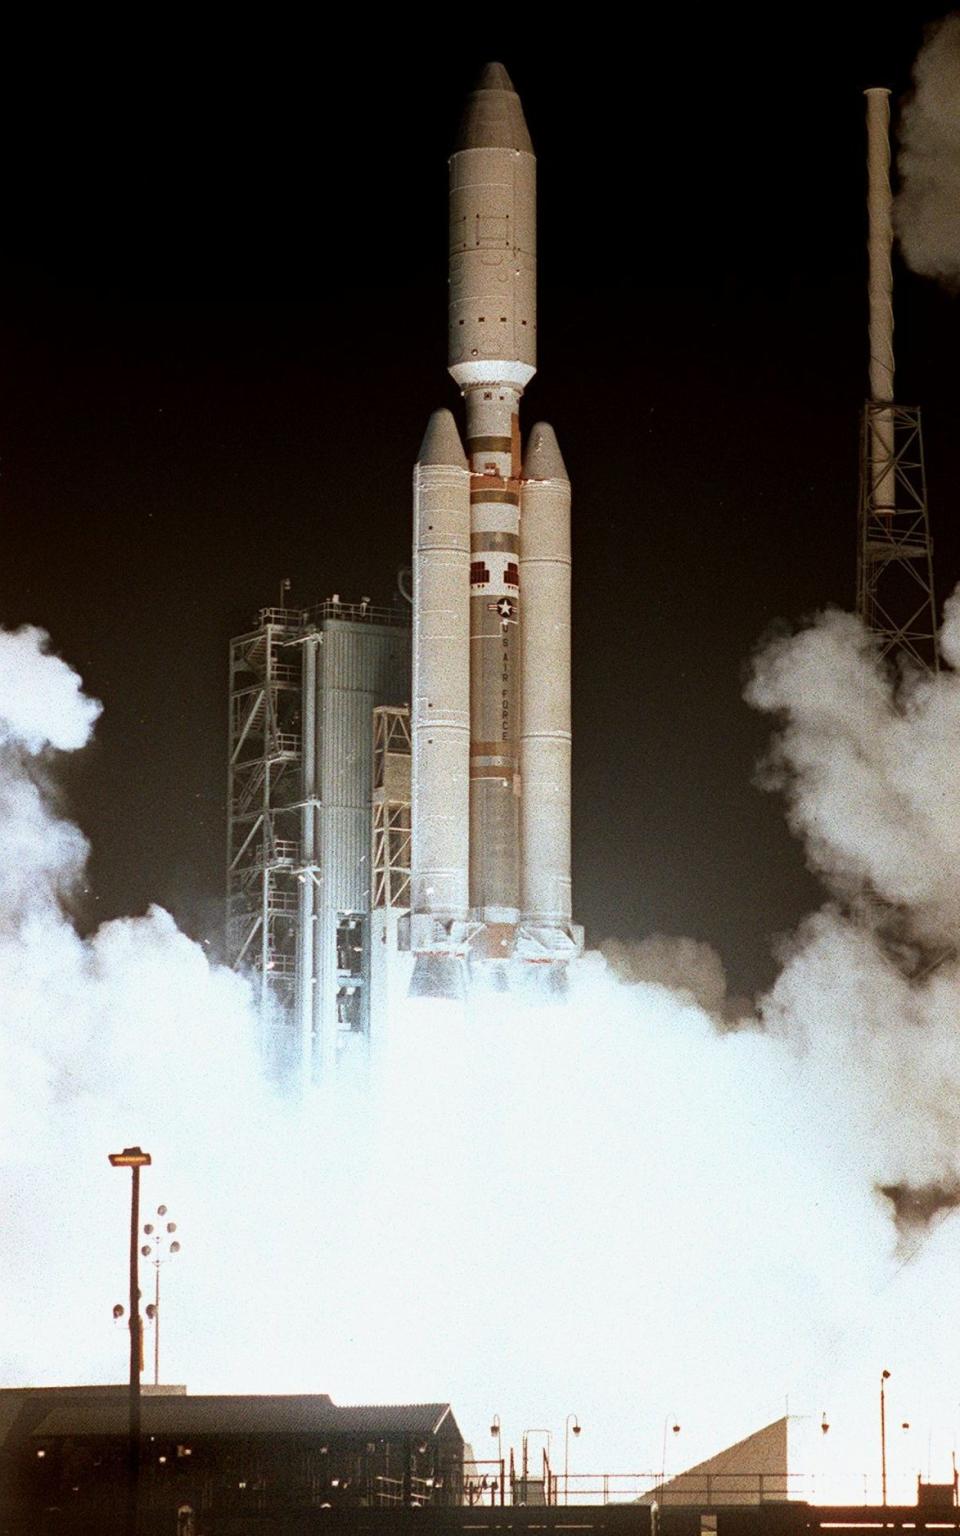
440,706
545,745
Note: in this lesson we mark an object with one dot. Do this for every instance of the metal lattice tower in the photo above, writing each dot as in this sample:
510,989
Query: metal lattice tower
895,595
304,687
390,862
263,824
391,807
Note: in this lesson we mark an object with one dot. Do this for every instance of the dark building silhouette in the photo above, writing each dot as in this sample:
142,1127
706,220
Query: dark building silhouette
216,1463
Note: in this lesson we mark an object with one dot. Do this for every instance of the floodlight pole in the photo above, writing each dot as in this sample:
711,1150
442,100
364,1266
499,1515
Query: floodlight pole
884,1378
134,1159
566,1453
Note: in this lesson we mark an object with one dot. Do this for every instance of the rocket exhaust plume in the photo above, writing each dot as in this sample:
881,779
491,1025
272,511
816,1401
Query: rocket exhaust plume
617,1177
928,206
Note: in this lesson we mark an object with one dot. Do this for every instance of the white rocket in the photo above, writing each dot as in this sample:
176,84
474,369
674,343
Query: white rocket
490,878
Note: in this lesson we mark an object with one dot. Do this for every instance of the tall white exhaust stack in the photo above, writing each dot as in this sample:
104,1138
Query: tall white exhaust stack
880,248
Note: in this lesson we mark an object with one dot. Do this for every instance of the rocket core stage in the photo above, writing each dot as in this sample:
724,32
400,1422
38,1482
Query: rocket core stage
490,880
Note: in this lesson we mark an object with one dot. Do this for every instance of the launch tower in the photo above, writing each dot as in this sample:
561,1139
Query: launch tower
895,597
304,684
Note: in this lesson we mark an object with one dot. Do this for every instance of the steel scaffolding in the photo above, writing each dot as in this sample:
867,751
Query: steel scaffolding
304,685
391,808
895,596
263,819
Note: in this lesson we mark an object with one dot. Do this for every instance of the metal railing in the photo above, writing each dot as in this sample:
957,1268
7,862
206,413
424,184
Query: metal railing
287,618
283,744
330,608
484,1483
390,1492
357,613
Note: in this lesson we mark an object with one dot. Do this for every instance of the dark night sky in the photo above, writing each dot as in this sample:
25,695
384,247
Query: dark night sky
223,329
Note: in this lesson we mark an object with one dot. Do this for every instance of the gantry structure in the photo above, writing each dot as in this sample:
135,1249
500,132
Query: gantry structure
895,594
390,858
391,807
305,686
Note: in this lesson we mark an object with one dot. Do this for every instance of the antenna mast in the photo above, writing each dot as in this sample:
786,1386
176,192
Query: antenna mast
895,597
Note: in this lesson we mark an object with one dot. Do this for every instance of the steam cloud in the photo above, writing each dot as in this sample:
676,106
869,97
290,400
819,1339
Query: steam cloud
928,206
688,968
622,1207
41,703
872,981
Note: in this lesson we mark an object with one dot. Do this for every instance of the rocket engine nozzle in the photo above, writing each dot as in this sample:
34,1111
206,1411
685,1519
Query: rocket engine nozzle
439,976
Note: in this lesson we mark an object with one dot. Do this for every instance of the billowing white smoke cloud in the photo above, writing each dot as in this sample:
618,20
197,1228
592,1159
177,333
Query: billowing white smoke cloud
41,706
928,206
41,702
614,1208
874,977
868,998
868,777
688,968
103,1042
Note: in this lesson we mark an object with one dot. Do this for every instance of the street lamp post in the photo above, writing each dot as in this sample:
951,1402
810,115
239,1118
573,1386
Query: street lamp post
663,1449
566,1453
673,1424
161,1246
884,1378
495,1431
134,1159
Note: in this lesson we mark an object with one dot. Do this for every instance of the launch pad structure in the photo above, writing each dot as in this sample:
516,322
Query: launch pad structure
399,817
895,592
399,805
304,689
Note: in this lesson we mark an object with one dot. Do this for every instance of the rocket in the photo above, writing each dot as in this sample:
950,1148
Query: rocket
490,881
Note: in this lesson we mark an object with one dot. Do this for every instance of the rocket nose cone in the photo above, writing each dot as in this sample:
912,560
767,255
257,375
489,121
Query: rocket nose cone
543,459
493,118
441,442
493,77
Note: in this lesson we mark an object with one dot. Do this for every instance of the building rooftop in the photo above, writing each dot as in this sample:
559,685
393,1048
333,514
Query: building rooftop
84,1411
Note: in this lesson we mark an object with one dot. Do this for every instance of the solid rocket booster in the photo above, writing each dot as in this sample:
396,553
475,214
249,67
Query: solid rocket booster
545,739
491,714
441,674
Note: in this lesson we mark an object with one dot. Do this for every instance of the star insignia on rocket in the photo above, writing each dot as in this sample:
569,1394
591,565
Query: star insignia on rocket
506,608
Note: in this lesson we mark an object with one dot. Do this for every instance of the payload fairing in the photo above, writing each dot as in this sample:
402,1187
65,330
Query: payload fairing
490,877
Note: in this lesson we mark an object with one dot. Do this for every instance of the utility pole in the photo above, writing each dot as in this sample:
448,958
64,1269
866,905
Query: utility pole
134,1159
